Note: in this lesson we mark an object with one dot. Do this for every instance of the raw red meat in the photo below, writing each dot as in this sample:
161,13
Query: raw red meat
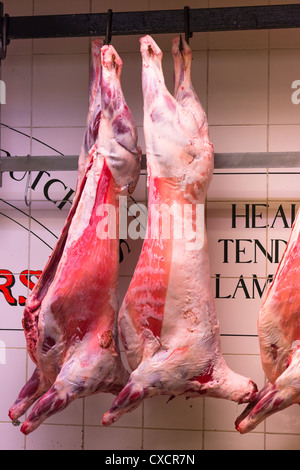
279,339
70,316
167,321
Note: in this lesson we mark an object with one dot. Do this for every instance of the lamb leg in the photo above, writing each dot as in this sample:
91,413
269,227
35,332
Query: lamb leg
76,345
273,398
168,322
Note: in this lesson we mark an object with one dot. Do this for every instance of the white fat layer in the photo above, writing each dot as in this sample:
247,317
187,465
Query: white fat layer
50,361
134,341
88,367
189,316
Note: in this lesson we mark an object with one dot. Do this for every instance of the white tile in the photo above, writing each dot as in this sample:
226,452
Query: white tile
238,139
12,438
233,441
284,70
132,5
17,77
237,87
283,185
238,182
60,90
12,374
60,45
285,421
247,184
19,7
52,437
112,438
14,237
238,40
171,439
97,405
15,140
284,138
232,344
177,4
178,413
238,313
11,314
282,441
57,7
239,185
64,140
13,338
248,366
284,38
220,414
20,46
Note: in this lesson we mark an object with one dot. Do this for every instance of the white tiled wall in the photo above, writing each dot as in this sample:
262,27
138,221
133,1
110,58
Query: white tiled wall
244,82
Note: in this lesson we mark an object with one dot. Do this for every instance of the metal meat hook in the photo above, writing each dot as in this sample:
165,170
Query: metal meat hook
188,34
3,33
108,27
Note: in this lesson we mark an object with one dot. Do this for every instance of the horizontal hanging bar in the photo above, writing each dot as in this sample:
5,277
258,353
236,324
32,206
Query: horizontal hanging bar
221,161
154,22
257,160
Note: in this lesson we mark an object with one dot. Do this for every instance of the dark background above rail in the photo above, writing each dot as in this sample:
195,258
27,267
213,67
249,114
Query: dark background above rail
154,22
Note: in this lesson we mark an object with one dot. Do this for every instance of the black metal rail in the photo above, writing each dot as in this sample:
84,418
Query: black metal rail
154,22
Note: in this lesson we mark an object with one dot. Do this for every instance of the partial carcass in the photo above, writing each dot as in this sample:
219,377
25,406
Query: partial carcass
168,322
279,339
70,316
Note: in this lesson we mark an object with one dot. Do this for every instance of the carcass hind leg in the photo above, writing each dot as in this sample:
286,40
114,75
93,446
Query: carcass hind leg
36,386
128,400
167,373
283,393
184,92
55,400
